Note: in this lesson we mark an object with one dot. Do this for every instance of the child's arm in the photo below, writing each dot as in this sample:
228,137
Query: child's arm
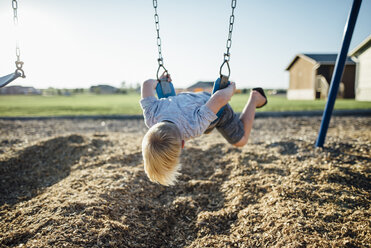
148,88
221,98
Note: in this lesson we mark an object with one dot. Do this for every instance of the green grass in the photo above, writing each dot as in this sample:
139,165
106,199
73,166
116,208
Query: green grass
280,103
69,105
129,105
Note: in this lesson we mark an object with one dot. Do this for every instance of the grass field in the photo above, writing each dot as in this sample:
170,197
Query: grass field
129,105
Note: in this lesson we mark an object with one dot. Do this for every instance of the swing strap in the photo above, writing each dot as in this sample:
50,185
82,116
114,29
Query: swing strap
13,76
9,78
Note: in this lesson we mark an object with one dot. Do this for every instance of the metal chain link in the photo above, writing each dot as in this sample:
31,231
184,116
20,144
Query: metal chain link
15,15
228,45
227,55
160,59
18,63
15,20
231,22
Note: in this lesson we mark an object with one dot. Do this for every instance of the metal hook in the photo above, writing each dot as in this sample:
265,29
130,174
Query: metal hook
158,70
19,70
221,67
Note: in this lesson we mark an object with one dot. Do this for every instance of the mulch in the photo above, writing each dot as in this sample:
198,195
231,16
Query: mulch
81,183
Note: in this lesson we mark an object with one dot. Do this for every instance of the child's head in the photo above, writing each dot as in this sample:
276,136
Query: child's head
161,149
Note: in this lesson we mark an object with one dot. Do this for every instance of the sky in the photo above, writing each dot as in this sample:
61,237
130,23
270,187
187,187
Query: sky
79,43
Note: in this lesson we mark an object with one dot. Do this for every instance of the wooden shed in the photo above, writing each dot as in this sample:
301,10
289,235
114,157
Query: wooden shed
310,77
362,56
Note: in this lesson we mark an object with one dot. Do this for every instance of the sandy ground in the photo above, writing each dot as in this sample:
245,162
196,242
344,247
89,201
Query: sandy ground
80,183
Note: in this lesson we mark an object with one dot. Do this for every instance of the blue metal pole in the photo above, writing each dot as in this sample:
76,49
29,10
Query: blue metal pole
338,72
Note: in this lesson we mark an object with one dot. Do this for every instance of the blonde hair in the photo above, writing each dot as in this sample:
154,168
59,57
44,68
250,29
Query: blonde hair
161,149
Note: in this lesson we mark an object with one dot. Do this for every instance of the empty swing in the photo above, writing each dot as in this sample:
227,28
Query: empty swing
165,89
18,63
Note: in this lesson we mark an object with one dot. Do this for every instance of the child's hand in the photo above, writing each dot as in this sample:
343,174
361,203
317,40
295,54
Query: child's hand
150,83
165,76
221,98
228,92
148,88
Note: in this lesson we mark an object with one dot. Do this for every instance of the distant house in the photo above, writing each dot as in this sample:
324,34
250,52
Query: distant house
362,55
201,86
103,89
19,90
310,76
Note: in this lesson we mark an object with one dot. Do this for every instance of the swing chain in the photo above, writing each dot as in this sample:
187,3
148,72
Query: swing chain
160,59
227,55
15,14
18,63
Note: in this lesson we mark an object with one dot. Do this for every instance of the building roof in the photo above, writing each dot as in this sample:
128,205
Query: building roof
201,84
17,89
105,86
326,58
319,58
361,47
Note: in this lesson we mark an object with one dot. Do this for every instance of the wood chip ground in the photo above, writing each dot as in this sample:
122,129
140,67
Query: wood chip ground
80,183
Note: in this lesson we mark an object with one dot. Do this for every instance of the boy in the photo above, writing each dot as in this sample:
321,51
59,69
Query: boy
175,119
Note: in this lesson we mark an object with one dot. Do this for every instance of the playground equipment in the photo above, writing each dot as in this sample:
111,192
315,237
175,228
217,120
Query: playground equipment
165,88
339,69
18,63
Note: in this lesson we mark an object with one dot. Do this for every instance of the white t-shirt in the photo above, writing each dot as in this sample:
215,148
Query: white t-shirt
186,110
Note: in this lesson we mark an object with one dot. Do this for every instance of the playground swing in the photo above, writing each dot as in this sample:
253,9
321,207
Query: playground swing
18,63
165,88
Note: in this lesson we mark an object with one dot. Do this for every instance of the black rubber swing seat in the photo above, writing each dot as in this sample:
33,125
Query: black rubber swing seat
261,91
9,78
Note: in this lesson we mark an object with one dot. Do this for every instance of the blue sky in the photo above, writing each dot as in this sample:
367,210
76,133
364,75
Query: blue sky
78,43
